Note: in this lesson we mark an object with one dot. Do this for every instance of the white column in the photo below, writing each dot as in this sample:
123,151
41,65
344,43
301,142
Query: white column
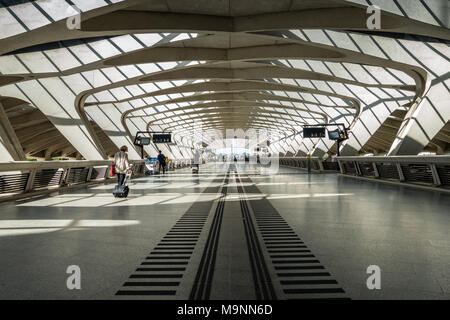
421,125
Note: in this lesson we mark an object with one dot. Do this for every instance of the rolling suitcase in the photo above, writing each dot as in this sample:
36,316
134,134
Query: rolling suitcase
122,191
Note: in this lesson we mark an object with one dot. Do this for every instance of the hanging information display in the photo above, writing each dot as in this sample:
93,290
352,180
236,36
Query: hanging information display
162,138
314,132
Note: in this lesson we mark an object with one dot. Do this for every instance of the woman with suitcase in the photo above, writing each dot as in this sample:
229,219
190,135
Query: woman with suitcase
122,168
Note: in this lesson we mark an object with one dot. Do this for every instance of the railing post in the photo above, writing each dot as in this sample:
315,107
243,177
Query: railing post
375,170
321,168
30,181
357,168
400,172
108,172
65,177
436,179
341,167
88,177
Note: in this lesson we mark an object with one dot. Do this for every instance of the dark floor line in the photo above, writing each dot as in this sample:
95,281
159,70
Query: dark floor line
264,289
201,288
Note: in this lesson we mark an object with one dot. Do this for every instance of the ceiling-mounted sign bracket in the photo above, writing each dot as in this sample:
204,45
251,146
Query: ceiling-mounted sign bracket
144,138
318,131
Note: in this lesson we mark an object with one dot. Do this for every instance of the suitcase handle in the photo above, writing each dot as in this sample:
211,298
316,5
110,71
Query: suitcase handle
127,177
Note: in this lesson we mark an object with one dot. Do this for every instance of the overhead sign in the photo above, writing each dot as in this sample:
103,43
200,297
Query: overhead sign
142,141
335,135
144,138
318,131
162,138
314,132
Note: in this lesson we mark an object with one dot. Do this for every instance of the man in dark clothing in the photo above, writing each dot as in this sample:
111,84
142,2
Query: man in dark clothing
162,162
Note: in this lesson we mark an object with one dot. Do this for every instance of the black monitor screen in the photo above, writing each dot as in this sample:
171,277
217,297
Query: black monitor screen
162,138
144,141
314,132
334,135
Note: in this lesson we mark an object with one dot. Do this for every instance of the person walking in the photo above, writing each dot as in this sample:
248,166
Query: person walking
197,158
196,165
162,162
122,165
308,163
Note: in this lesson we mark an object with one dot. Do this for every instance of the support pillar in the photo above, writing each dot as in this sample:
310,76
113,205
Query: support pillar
422,123
9,138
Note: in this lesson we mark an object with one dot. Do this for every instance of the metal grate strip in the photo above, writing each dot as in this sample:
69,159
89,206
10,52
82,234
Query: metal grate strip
165,265
290,258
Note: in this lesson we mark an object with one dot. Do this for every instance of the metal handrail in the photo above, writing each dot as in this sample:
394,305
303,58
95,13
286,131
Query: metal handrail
60,164
317,163
301,158
21,178
399,159
425,170
431,171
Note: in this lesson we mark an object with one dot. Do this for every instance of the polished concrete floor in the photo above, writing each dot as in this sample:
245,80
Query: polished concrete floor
347,224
